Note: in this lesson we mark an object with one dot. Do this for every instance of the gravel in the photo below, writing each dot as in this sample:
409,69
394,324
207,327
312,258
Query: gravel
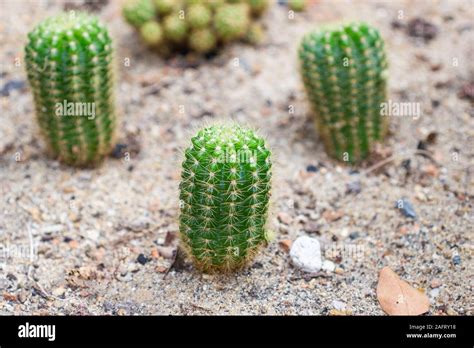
128,205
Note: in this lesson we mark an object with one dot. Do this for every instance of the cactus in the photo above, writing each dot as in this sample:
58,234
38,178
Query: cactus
175,28
344,71
202,40
151,33
198,16
257,7
255,34
69,65
231,21
297,5
164,7
138,12
224,195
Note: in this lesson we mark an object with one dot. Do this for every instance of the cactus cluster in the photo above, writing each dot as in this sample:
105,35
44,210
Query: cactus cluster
197,25
224,195
344,70
69,66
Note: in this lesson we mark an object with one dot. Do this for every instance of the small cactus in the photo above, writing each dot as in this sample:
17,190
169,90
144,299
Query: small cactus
175,28
297,5
224,195
257,7
344,71
198,16
138,12
164,7
255,34
231,21
202,40
69,65
151,33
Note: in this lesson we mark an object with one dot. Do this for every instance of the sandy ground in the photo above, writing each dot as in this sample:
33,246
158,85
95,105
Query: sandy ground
71,238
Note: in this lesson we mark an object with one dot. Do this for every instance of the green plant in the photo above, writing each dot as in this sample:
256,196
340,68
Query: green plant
255,34
231,21
175,28
257,7
224,195
138,12
164,7
151,33
198,16
297,5
344,71
202,40
69,65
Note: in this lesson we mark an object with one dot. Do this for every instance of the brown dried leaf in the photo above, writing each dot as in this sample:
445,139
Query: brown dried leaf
397,297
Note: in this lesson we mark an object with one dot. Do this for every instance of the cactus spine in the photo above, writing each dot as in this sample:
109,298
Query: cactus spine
224,194
68,61
344,71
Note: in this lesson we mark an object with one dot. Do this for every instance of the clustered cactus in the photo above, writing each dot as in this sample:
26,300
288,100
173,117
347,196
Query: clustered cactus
198,25
344,71
69,65
224,195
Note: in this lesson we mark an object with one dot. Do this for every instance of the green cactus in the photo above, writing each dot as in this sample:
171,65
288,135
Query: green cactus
151,33
69,64
164,7
257,7
198,16
231,21
255,34
202,40
138,12
297,5
344,71
224,197
175,28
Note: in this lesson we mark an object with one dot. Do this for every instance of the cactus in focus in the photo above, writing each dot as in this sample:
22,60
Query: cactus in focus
69,65
198,16
202,40
138,12
224,197
231,21
151,33
344,70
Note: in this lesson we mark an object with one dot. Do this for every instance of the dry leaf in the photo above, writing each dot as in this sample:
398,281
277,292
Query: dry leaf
397,297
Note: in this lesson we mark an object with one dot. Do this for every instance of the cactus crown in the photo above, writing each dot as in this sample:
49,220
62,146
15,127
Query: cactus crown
224,193
344,71
68,60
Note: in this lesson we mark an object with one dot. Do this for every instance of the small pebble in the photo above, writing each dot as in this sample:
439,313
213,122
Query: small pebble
339,305
305,254
142,259
284,218
457,260
435,283
312,168
419,27
354,235
353,187
406,208
328,266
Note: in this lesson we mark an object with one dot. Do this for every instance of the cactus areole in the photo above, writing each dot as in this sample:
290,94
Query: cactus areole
344,71
68,60
224,197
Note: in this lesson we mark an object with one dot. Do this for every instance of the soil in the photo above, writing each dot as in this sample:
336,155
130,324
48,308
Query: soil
102,240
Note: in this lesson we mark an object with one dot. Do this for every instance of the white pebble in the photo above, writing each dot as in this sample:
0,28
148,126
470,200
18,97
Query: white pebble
328,266
305,254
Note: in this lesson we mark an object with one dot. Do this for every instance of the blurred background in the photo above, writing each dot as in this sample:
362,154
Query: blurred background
103,240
